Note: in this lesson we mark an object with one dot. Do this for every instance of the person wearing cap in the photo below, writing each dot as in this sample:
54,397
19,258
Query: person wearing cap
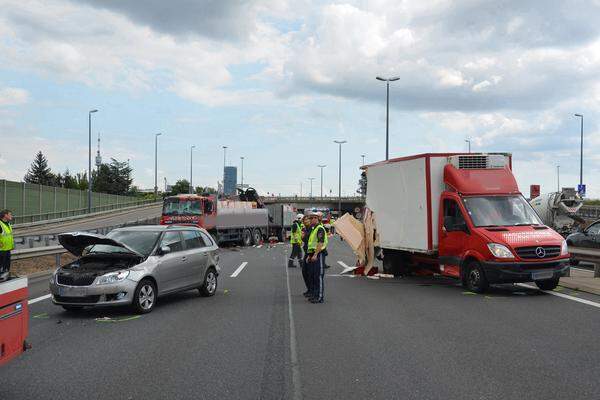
317,250
296,241
7,243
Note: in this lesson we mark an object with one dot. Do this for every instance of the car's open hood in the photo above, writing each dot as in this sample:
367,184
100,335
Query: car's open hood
76,242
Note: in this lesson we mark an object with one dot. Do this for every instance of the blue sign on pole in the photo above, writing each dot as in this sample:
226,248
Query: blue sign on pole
581,190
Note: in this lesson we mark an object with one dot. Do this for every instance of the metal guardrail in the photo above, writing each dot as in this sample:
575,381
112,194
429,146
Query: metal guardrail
589,255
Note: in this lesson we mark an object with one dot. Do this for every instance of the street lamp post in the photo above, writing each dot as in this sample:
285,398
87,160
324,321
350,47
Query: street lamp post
363,159
387,113
340,143
321,166
242,158
89,207
156,164
191,169
311,181
581,152
468,141
558,178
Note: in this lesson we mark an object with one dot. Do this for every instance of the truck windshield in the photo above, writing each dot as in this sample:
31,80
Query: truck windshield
500,211
182,207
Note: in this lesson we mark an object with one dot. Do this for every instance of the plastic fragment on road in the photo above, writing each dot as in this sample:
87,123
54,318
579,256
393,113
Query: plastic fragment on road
41,316
470,293
109,319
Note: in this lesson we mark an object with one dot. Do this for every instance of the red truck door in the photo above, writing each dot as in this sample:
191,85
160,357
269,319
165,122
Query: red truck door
453,235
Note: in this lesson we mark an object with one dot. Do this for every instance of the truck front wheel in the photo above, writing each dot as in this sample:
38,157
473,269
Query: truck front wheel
547,284
246,238
474,279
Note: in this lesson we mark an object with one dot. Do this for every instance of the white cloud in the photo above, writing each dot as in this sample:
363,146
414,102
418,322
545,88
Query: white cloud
13,96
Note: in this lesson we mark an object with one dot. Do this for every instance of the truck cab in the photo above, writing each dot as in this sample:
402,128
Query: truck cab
488,232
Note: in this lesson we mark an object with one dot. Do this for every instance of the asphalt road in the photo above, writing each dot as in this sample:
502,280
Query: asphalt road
410,338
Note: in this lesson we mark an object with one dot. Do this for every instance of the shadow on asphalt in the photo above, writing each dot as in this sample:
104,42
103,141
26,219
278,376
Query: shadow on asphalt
502,290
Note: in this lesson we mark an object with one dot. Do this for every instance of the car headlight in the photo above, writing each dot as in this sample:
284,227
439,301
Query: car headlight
112,277
564,248
500,250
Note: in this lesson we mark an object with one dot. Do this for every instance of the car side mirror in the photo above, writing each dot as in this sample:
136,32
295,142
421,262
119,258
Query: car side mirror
164,250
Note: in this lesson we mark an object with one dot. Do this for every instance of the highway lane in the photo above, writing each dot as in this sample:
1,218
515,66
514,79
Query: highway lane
415,338
95,222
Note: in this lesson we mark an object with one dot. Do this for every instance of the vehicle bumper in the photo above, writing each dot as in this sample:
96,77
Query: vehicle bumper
115,294
509,272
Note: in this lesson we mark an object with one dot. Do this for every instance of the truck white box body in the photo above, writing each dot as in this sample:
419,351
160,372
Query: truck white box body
404,194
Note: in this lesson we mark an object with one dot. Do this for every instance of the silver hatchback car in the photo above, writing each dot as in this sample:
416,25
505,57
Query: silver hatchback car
134,266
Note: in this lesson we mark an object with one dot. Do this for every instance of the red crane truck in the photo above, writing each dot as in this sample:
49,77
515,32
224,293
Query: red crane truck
462,215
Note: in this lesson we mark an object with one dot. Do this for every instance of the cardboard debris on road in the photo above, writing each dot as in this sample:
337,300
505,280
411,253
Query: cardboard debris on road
362,237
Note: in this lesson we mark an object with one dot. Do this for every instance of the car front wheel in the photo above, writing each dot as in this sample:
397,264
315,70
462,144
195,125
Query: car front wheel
144,297
209,286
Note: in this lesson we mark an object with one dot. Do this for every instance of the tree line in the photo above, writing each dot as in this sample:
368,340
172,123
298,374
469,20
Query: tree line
113,178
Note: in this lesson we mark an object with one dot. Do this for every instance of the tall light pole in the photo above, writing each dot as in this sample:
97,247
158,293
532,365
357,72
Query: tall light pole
340,143
558,178
321,166
387,113
156,164
468,144
191,167
242,158
363,159
89,207
300,189
311,181
581,152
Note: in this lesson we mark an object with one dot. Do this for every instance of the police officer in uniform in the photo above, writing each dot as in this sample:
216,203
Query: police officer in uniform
305,267
7,243
296,240
317,251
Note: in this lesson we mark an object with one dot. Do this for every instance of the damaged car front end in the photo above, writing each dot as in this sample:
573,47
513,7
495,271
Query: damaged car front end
107,271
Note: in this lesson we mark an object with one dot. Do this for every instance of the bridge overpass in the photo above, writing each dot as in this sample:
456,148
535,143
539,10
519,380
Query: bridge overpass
349,204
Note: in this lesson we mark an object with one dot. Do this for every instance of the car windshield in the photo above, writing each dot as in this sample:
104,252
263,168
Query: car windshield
141,241
182,207
500,211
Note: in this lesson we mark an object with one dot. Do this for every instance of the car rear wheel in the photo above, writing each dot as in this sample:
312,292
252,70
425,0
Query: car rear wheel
144,297
474,279
72,308
209,286
547,284
246,237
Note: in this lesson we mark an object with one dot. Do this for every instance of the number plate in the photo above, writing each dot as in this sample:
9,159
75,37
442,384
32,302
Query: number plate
540,275
72,292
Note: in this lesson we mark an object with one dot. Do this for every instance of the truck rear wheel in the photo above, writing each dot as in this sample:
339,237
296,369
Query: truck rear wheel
246,237
256,237
395,263
547,284
474,278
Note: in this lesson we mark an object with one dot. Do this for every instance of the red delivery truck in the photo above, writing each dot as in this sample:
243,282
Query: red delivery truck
14,318
462,215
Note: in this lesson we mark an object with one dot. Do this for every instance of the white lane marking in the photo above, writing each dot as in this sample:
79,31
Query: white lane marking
296,383
32,301
345,267
239,269
564,296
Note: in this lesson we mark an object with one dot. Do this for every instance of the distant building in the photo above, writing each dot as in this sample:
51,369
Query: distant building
230,181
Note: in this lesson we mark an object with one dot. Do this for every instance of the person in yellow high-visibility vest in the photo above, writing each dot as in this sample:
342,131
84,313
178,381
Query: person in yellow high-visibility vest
296,241
7,243
317,250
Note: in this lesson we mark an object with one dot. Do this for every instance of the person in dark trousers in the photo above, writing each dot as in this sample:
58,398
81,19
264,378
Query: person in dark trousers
305,268
7,243
317,250
296,241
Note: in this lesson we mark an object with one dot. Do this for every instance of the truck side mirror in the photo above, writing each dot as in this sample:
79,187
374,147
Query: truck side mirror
208,207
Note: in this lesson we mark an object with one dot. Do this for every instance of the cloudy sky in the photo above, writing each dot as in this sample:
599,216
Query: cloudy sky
278,80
